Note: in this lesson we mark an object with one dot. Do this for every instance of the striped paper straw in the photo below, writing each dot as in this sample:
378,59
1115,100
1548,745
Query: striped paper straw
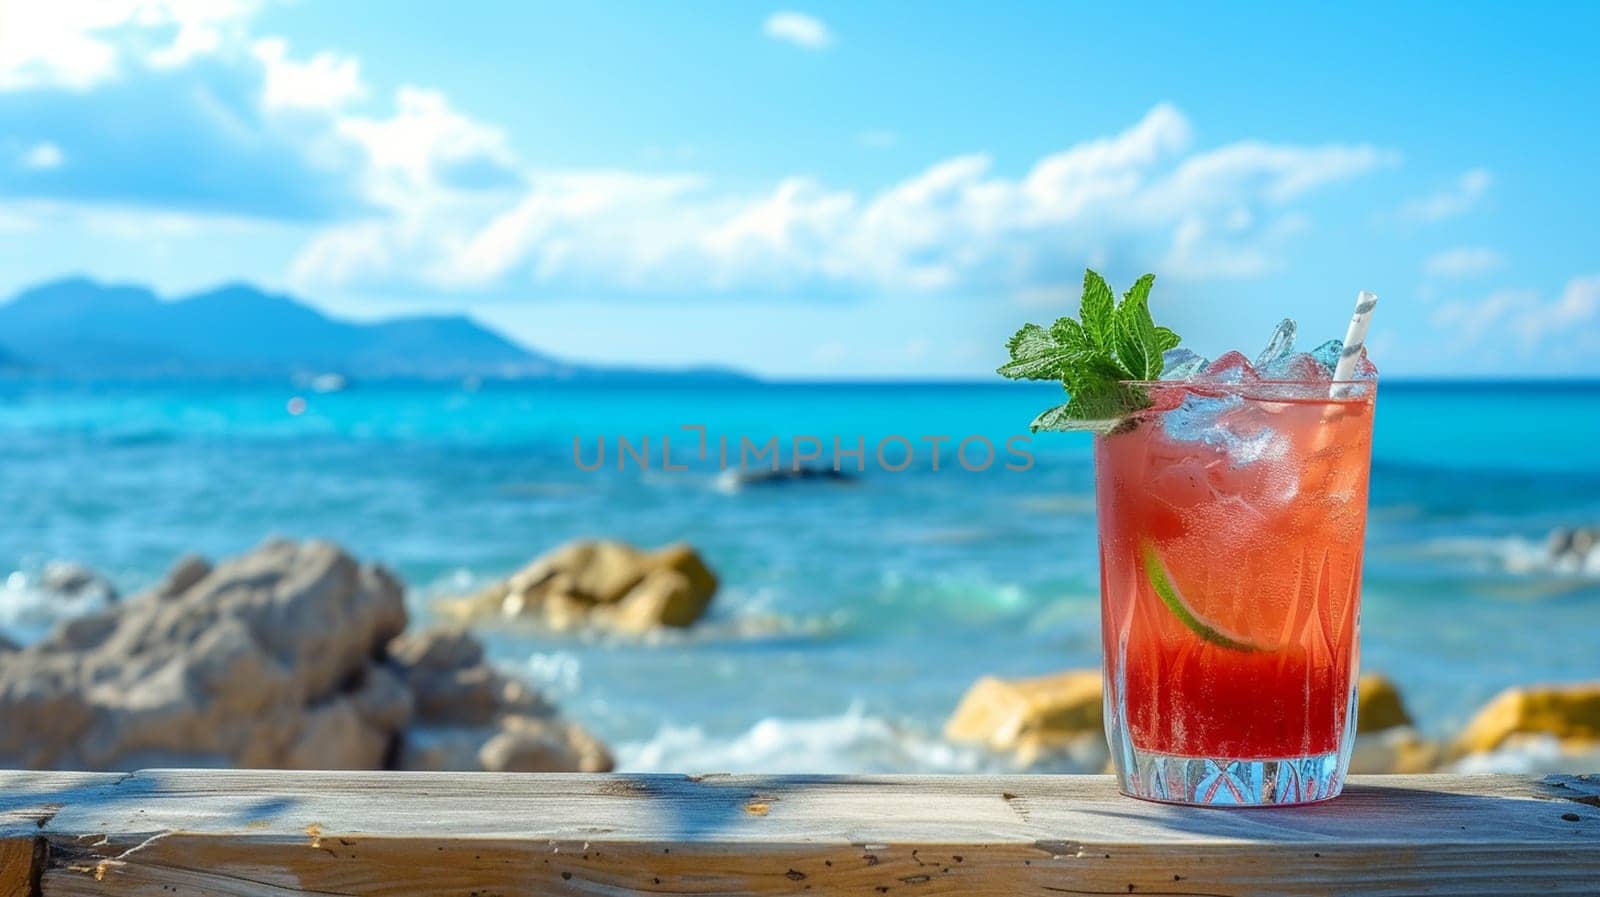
1355,338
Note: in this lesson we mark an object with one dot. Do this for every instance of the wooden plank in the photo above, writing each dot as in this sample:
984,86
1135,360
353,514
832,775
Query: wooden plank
29,800
278,833
17,866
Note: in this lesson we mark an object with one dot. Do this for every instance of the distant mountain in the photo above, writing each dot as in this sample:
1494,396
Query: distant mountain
78,327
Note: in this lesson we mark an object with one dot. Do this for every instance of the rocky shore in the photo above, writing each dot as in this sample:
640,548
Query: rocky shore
294,655
599,584
1054,721
297,655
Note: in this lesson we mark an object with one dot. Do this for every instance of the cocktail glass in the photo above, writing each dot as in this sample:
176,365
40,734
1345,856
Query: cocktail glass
1231,518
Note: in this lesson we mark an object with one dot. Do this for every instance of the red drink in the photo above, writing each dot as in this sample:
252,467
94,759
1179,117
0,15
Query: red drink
1231,523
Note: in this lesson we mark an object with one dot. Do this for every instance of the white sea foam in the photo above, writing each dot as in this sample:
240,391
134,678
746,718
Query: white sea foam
1516,555
27,610
556,673
1529,755
853,742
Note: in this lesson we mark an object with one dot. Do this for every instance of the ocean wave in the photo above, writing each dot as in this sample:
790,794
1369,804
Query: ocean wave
1530,755
28,611
557,674
853,742
1515,555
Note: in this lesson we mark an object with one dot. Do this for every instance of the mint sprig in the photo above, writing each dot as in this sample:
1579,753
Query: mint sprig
1093,357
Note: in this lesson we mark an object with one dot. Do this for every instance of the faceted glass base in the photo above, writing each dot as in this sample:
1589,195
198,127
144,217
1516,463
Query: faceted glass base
1230,783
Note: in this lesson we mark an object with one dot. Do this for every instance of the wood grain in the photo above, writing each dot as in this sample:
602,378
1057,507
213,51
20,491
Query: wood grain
475,834
16,867
29,800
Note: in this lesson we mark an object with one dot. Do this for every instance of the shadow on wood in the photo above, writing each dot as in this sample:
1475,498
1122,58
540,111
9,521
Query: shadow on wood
279,833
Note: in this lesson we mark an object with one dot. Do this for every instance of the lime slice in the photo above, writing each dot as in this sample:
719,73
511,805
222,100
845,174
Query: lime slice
1161,581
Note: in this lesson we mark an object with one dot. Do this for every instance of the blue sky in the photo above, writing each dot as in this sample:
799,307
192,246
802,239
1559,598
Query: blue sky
829,189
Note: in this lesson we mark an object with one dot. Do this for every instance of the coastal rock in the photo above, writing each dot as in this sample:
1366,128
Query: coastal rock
605,584
290,656
1031,719
1399,750
528,744
1386,741
1573,547
1568,713
1379,706
76,581
734,479
469,716
188,570
83,633
436,650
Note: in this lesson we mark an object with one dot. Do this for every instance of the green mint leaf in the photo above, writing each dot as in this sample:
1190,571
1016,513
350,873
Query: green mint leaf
1040,354
1140,291
1094,357
1097,310
1136,338
1166,340
1058,418
1097,392
1069,333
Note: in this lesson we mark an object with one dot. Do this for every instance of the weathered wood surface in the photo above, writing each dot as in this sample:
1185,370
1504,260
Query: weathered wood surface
212,832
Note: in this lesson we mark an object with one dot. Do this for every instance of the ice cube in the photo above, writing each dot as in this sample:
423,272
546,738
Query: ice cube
1232,367
1281,344
1227,424
1297,366
1327,354
1181,364
1198,417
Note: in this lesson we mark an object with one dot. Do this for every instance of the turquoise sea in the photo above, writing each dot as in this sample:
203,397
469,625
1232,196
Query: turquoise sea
852,616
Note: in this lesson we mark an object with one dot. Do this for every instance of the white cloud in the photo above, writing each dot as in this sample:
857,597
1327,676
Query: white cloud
804,31
1232,248
1458,199
1136,198
426,145
325,81
1519,325
43,156
78,44
413,193
1462,262
250,128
